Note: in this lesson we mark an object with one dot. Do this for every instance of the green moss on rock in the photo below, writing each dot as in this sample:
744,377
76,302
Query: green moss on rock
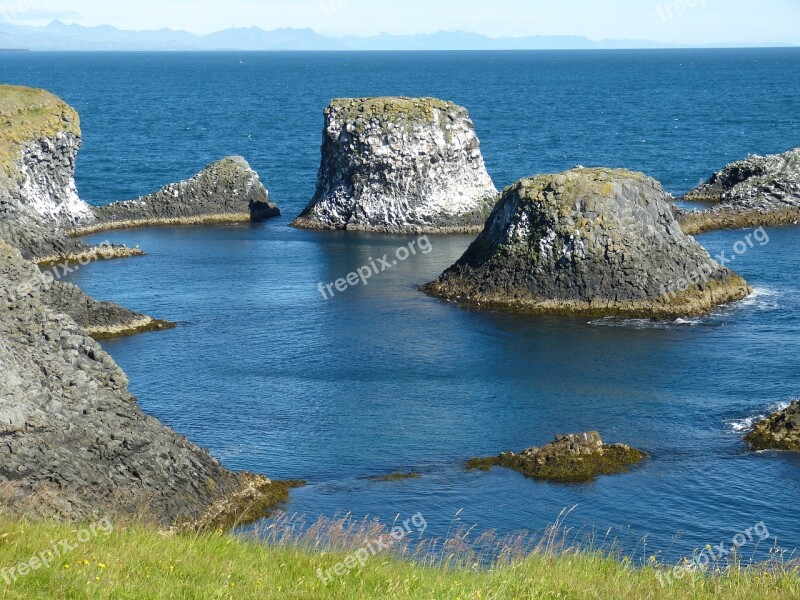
781,431
27,115
573,458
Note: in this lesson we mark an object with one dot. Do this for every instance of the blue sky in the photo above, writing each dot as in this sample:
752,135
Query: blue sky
678,21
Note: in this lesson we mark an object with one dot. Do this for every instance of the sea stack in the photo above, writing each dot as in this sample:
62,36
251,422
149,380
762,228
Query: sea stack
596,242
757,191
400,165
227,191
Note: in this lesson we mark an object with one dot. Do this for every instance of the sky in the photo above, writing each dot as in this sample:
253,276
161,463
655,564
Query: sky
677,21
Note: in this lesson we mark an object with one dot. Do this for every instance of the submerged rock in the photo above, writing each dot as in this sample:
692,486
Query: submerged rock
570,458
75,442
760,190
227,191
588,241
399,165
781,431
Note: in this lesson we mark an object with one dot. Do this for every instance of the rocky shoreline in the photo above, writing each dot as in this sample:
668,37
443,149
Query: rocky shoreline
75,442
754,192
586,242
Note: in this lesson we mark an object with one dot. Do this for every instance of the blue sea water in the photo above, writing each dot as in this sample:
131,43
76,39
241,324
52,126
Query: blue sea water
272,378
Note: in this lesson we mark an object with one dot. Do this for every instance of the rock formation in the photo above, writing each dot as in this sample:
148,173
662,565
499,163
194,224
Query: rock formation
74,440
760,190
39,142
224,192
592,242
781,431
399,165
570,458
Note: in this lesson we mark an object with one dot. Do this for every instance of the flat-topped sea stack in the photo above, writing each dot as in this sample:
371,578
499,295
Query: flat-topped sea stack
597,242
572,458
227,191
400,165
781,431
757,191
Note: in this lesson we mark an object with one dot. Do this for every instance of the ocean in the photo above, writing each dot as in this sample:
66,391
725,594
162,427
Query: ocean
380,379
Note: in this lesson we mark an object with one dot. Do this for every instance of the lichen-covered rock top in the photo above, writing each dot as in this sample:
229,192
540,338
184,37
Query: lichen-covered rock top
781,431
760,190
226,190
399,165
396,111
588,241
28,115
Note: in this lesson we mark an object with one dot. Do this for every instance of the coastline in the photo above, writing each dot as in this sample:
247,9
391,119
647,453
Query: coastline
217,219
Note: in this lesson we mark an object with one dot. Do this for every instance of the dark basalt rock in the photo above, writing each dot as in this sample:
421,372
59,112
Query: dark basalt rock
74,440
781,431
757,191
227,191
591,242
573,458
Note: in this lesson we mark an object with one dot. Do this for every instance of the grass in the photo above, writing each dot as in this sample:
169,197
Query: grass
27,115
137,562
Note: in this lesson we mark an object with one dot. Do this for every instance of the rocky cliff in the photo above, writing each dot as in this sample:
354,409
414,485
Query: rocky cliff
399,165
588,241
39,141
760,190
225,191
74,441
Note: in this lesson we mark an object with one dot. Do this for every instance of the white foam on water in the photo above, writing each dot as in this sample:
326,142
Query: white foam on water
761,299
746,424
645,323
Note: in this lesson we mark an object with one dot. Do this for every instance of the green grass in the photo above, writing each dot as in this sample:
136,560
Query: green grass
140,563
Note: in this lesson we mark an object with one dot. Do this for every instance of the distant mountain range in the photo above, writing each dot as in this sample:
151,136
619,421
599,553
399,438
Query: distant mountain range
59,36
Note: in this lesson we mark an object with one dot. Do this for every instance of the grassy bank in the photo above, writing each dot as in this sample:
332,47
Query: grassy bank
139,563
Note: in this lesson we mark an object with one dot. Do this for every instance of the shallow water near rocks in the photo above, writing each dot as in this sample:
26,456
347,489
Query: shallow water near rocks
381,379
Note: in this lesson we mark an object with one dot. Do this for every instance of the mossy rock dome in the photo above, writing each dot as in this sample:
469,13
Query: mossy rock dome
588,241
